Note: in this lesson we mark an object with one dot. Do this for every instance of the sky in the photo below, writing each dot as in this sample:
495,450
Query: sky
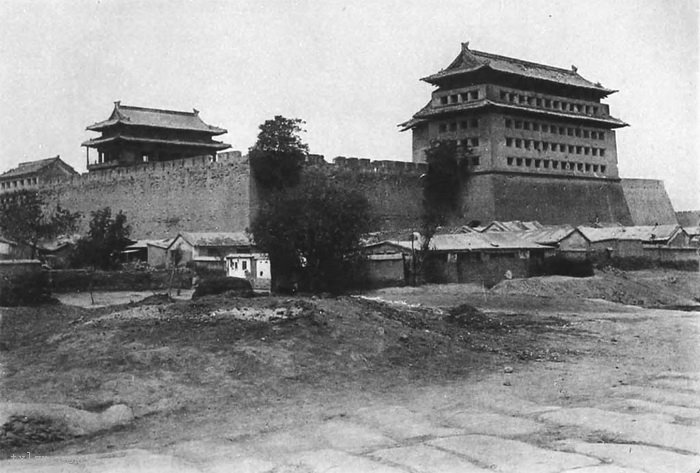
350,69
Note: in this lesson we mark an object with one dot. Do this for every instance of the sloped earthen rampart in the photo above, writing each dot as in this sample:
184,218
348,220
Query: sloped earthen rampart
648,202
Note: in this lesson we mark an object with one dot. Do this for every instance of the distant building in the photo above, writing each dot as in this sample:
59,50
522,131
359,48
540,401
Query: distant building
460,257
254,267
31,175
134,135
207,249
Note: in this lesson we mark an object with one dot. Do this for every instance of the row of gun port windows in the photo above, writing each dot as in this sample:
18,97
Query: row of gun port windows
547,146
555,130
458,98
18,183
520,99
554,164
463,125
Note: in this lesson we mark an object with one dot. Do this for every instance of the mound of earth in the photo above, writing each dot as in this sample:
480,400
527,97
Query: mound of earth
220,354
26,423
614,286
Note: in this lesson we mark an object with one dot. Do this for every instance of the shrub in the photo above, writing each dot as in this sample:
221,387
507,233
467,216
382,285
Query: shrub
563,266
25,290
236,287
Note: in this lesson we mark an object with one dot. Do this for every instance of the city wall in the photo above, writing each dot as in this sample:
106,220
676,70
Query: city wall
161,199
393,188
547,199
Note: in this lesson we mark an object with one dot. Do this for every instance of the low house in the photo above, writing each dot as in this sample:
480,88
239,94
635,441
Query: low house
10,249
57,252
470,257
153,252
693,235
386,264
252,266
231,253
512,226
613,241
653,242
207,250
136,252
157,252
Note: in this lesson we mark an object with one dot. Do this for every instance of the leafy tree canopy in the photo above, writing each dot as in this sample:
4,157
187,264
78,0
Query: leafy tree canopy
313,229
106,239
442,184
277,156
25,219
442,190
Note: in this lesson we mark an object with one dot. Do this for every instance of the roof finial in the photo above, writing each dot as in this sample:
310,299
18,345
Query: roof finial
574,68
117,103
196,112
465,45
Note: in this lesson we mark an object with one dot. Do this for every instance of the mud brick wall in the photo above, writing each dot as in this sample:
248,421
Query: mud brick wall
161,199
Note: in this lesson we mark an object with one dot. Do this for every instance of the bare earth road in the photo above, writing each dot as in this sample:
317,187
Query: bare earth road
629,402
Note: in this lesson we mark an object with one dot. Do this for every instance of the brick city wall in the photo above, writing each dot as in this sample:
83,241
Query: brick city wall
393,188
550,200
160,199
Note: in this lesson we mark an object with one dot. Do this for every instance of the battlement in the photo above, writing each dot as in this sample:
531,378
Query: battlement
226,159
366,165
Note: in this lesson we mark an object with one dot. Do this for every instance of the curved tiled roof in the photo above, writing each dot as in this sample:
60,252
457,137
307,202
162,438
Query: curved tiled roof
429,111
135,139
30,167
153,117
470,60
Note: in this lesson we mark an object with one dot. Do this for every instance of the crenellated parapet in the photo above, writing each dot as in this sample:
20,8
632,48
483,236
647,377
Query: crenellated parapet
195,164
366,165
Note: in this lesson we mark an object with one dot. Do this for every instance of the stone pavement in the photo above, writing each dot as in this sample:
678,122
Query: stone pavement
652,430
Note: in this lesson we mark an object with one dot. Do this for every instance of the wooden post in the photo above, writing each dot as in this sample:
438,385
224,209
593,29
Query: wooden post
87,156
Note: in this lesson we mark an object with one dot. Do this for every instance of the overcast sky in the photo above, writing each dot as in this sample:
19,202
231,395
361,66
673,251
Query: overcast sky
349,68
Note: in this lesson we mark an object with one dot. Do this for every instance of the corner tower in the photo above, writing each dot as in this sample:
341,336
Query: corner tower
531,127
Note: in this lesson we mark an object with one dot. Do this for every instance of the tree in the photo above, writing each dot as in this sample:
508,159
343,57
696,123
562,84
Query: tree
313,229
24,218
278,155
106,239
443,185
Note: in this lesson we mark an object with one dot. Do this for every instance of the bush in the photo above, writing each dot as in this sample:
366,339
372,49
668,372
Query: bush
563,266
25,290
236,287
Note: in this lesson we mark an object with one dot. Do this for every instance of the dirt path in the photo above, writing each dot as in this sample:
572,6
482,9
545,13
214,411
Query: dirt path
530,384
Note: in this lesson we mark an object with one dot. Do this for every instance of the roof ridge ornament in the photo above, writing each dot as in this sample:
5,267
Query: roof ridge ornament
574,69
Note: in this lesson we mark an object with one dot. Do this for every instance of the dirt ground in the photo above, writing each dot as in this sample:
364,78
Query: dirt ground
240,369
